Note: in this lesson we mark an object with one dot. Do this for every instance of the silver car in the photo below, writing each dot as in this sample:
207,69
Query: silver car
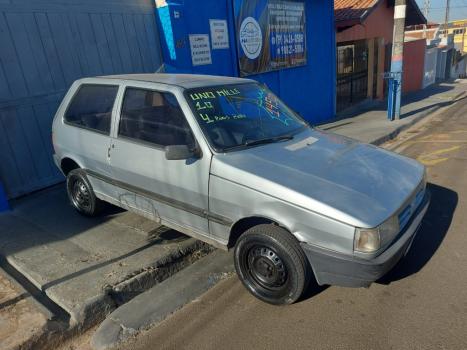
227,162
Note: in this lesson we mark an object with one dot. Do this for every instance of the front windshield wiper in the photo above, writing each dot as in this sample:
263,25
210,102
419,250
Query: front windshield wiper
268,140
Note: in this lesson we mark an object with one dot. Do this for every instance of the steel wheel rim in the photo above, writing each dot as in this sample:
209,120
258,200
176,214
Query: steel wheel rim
266,267
80,195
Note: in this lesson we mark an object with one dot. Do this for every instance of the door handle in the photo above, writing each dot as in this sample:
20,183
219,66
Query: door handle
108,150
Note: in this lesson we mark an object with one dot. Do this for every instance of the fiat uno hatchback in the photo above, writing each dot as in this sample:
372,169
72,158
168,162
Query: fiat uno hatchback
227,162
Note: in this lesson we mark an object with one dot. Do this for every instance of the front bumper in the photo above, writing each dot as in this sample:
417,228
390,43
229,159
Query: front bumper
349,271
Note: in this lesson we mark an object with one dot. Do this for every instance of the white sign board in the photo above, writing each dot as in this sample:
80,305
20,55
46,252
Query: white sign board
251,38
200,49
219,34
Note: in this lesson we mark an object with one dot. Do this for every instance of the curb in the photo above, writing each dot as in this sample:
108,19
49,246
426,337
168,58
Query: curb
394,133
93,311
162,300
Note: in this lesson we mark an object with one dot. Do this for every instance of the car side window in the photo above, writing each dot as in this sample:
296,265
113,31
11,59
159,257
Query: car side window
154,117
91,107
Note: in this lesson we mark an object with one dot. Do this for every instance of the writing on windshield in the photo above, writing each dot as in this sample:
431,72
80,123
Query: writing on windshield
241,114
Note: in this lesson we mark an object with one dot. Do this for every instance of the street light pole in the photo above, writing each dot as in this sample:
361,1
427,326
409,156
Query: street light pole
395,81
446,19
426,9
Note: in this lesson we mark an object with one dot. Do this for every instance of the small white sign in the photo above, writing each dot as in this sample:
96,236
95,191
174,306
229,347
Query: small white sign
200,49
219,34
251,38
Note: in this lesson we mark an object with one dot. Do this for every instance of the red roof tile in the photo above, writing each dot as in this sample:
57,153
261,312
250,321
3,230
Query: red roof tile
348,10
351,12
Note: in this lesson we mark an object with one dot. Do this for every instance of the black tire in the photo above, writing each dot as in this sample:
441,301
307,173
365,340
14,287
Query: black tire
81,194
271,264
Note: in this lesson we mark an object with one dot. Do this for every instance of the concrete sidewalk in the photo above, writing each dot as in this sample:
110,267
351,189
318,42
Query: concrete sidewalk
86,267
372,126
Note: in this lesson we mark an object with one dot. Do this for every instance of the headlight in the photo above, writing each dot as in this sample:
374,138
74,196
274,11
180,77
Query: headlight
366,240
369,240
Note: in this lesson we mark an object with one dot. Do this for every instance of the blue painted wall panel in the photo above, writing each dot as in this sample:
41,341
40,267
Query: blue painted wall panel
8,161
122,43
44,47
23,50
50,51
19,148
63,44
152,38
308,89
11,66
194,19
37,51
112,43
101,43
34,140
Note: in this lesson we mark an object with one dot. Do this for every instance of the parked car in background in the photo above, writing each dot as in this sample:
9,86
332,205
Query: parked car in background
227,162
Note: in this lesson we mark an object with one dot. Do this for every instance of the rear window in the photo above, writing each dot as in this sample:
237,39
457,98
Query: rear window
91,107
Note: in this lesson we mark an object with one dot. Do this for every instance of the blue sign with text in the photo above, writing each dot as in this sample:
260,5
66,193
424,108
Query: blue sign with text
271,35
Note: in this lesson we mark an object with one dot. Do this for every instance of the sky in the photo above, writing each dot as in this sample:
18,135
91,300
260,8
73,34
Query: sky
437,9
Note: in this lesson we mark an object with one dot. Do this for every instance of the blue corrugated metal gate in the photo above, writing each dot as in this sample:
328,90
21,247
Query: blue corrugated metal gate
44,47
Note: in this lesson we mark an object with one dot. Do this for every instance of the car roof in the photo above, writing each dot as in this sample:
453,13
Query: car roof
186,81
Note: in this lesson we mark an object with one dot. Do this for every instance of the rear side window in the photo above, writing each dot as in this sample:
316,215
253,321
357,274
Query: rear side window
91,107
154,117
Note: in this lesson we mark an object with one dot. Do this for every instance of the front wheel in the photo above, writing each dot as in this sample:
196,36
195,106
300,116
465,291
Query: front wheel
271,264
81,194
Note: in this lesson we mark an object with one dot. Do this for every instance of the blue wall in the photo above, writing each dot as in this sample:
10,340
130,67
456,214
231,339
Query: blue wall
46,45
309,89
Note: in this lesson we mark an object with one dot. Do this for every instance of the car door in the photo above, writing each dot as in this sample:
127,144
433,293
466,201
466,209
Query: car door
174,191
87,126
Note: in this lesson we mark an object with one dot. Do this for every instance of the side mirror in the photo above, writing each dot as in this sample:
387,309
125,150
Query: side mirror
179,152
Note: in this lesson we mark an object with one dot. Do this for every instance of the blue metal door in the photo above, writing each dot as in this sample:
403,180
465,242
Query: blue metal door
180,19
44,47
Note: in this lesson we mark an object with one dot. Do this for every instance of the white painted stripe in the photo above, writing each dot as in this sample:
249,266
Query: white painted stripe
399,11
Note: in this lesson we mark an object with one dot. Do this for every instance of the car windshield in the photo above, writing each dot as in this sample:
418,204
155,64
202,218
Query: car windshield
242,115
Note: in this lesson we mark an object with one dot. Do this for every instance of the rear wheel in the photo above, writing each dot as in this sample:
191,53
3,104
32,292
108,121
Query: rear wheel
81,194
271,264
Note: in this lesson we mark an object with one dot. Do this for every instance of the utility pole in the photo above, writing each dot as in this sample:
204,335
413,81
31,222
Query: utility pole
395,77
426,10
446,19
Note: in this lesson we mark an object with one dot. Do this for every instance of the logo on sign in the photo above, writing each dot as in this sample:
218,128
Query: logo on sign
251,38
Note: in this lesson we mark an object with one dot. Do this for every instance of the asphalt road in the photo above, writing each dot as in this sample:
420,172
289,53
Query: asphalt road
420,304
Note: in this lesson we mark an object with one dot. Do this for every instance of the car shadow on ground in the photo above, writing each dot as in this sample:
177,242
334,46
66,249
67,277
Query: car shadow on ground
165,235
312,290
435,226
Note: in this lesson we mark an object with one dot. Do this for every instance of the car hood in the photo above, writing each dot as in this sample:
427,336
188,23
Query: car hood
359,184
